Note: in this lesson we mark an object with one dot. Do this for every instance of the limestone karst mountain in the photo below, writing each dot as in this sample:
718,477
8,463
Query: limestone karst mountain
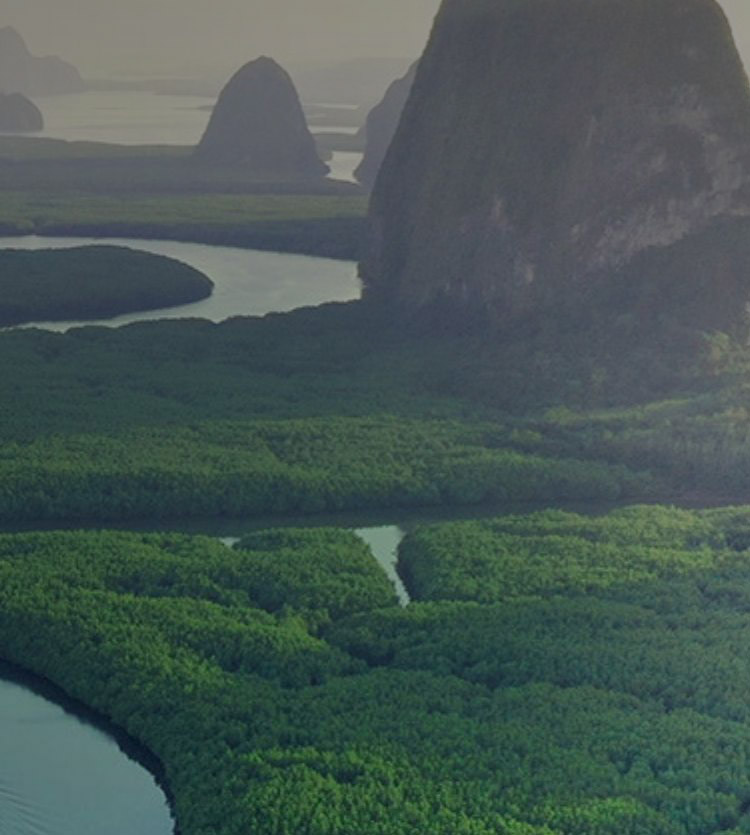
381,125
556,154
258,124
19,114
22,72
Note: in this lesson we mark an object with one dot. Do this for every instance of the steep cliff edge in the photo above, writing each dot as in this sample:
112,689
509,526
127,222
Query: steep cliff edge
258,124
551,147
379,130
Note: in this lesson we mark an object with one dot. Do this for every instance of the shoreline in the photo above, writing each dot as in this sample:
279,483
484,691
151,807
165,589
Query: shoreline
129,746
341,241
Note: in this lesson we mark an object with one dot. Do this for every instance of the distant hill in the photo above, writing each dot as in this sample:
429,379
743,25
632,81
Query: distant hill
382,121
258,124
22,72
19,114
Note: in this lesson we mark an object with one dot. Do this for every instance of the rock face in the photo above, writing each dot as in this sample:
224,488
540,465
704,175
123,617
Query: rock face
258,124
22,72
549,146
19,115
381,125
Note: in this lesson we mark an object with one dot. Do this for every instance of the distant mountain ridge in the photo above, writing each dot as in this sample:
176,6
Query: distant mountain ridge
22,72
380,128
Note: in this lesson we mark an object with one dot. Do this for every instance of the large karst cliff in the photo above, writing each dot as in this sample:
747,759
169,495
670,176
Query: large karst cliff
550,148
258,124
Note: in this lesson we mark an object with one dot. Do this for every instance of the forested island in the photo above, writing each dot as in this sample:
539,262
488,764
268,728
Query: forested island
92,282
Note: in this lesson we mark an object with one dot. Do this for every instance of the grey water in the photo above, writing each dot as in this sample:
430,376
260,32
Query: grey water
383,542
62,775
343,165
246,282
124,118
143,118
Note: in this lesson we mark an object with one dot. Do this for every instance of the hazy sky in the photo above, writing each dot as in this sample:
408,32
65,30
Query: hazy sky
172,35
196,36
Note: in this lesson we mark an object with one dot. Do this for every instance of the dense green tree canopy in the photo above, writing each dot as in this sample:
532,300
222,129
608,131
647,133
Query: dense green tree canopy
285,693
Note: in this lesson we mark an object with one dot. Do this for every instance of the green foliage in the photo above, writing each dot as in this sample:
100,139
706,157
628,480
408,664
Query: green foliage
235,469
316,410
553,553
92,282
701,443
622,710
324,573
314,224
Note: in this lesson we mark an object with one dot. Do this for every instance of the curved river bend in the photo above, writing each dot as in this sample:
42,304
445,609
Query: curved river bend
247,282
62,775
59,774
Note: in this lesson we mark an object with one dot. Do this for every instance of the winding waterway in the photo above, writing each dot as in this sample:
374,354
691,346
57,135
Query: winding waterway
247,282
62,772
59,773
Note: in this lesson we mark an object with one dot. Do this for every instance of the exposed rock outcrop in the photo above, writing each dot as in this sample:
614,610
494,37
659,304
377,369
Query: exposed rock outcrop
258,124
382,121
19,114
549,146
22,72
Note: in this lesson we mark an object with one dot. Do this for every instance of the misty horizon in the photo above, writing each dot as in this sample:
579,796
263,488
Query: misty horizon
191,38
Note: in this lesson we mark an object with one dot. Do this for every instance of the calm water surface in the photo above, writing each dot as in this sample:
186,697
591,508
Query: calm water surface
61,775
143,118
124,118
343,165
247,282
